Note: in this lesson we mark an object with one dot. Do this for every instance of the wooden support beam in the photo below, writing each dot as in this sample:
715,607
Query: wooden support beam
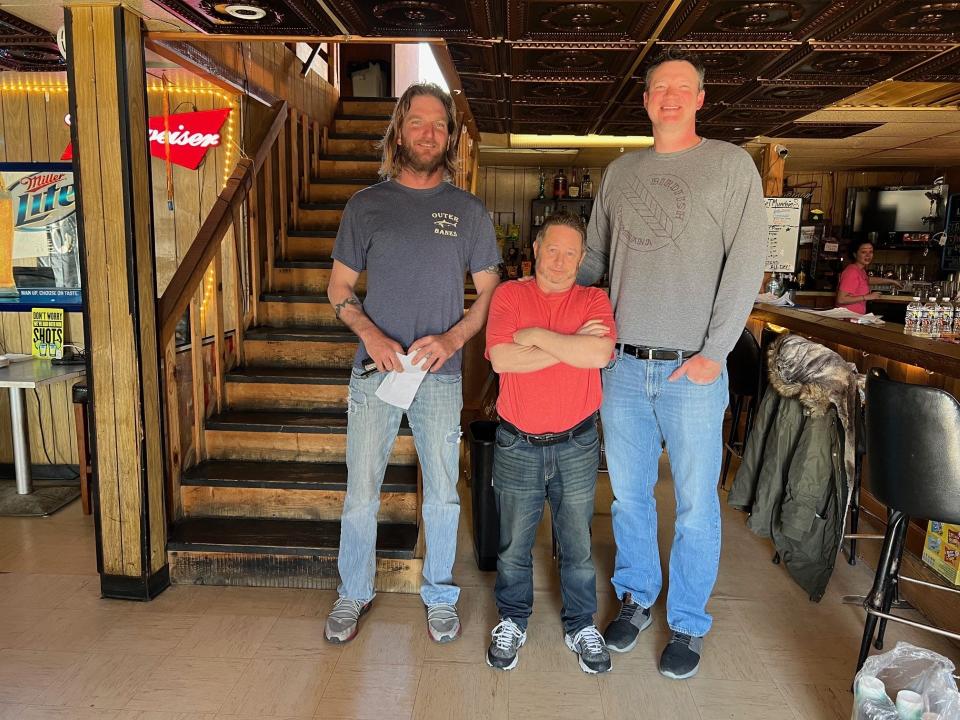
108,106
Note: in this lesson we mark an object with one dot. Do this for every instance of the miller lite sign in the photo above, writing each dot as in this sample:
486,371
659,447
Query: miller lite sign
41,254
191,135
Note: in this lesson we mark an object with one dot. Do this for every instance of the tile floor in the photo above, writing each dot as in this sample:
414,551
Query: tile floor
205,653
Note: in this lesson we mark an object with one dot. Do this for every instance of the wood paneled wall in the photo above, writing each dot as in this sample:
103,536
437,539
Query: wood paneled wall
32,129
506,191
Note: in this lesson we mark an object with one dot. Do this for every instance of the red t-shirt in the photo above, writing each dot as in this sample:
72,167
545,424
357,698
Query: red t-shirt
853,280
560,396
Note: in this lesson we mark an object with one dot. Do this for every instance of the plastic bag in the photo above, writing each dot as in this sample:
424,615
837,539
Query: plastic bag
907,683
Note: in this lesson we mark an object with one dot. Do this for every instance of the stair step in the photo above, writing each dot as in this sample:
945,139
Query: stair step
283,537
363,117
289,389
286,310
290,476
335,205
319,216
291,436
318,264
290,490
367,106
286,422
290,376
353,157
355,144
284,553
289,347
361,124
310,233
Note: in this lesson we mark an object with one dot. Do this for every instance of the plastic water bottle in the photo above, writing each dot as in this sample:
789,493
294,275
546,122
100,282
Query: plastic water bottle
912,318
946,311
936,319
925,324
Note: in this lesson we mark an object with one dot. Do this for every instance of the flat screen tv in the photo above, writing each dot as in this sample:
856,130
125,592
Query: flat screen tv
887,211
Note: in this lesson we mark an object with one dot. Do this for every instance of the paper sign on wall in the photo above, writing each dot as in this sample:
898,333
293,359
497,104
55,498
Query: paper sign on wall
47,332
783,233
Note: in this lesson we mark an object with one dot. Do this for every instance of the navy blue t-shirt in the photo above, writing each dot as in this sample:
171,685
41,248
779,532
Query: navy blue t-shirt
416,247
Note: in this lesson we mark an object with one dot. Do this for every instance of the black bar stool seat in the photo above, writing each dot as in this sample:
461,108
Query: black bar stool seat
914,448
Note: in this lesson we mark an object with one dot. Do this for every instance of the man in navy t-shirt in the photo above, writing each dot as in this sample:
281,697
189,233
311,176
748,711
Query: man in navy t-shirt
416,236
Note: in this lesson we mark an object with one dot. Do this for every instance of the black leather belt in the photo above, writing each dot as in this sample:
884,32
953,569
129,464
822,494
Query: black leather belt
642,352
551,438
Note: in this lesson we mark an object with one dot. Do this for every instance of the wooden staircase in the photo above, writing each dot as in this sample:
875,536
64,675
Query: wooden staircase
262,506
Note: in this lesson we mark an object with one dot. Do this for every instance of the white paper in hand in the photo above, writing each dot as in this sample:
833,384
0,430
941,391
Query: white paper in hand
399,388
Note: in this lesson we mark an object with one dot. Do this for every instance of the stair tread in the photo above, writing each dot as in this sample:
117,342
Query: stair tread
321,262
295,297
292,421
322,205
287,537
362,117
333,180
291,375
354,136
332,333
340,157
309,232
289,421
290,475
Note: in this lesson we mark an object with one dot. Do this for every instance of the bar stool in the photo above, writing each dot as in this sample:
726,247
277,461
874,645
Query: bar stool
914,452
747,381
80,400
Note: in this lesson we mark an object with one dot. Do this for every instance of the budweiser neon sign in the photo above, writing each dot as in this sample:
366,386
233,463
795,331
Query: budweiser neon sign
191,136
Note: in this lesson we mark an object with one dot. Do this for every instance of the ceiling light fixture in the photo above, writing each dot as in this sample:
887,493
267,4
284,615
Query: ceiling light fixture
248,13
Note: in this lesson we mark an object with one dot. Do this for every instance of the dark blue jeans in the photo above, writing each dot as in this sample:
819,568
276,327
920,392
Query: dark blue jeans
524,476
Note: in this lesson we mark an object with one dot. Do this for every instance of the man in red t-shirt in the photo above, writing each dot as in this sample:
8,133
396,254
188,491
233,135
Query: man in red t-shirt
548,340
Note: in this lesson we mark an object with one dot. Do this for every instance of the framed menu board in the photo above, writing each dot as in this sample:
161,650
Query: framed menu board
783,233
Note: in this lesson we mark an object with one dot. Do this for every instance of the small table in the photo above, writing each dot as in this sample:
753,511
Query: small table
17,377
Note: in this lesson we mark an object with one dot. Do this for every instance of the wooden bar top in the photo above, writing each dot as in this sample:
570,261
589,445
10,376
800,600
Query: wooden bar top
887,340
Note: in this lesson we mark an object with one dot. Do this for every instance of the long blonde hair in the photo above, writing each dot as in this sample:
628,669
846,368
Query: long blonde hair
392,161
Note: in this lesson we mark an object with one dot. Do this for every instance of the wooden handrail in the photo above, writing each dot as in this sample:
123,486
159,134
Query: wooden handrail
206,245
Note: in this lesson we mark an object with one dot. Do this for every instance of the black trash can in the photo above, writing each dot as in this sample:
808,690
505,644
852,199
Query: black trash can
486,520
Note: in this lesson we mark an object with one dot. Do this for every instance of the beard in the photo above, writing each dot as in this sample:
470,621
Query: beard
426,165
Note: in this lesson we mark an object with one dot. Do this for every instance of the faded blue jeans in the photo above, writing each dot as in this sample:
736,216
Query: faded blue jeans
641,409
372,425
524,476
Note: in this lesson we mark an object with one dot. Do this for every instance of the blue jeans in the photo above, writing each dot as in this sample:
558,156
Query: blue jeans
641,409
372,425
524,476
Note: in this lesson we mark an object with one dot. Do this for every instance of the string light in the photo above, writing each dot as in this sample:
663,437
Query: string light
229,147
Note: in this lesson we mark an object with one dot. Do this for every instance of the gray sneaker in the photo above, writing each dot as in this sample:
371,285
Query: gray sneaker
589,646
507,639
443,624
681,656
621,634
344,619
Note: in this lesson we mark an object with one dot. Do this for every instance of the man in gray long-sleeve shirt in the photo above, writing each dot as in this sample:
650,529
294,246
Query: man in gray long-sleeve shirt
682,228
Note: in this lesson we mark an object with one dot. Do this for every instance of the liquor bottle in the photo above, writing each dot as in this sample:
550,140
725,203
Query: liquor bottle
560,185
526,264
513,263
542,181
584,218
574,190
586,185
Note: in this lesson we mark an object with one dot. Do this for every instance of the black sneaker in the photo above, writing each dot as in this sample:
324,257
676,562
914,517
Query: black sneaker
506,640
681,656
621,634
590,649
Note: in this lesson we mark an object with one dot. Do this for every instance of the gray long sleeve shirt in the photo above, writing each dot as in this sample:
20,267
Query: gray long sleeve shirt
684,236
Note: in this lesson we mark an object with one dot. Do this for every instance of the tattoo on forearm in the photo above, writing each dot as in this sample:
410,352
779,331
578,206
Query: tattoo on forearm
338,308
493,270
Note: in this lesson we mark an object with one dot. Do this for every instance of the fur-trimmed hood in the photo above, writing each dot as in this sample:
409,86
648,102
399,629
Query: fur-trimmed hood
820,379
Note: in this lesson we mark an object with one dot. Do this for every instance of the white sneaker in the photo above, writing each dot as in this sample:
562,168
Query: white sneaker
443,624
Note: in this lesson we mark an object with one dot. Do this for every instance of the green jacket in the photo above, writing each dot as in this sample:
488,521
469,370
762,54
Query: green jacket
793,484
